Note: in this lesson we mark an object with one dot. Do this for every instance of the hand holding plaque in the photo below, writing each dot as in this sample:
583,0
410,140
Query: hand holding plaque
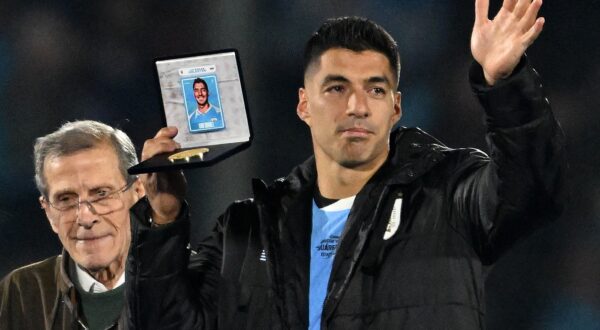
203,97
165,190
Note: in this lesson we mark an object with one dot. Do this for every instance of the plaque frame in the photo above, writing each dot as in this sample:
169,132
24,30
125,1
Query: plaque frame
228,128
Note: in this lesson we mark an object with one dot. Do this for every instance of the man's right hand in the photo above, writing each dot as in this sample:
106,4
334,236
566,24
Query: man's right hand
165,190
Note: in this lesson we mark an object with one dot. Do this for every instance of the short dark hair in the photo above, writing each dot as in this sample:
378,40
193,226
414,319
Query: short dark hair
198,81
353,33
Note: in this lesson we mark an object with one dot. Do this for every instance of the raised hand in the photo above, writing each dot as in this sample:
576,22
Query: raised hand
498,44
165,190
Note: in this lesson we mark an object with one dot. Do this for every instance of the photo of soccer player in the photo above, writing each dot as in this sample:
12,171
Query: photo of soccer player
202,103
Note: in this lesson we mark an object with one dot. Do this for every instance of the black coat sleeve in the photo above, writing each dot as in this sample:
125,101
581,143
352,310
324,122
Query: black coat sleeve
166,287
521,185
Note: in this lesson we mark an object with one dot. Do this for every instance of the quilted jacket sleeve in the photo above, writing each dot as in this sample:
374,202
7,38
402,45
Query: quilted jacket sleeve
167,288
521,185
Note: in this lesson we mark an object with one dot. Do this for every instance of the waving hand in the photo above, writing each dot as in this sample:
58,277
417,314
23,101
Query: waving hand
498,44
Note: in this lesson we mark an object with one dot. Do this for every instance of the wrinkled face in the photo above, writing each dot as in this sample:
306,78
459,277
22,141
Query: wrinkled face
350,104
200,93
93,241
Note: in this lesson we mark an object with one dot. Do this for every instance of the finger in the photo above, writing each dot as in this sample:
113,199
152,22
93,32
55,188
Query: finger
161,143
533,33
509,5
158,145
168,131
481,11
521,8
530,16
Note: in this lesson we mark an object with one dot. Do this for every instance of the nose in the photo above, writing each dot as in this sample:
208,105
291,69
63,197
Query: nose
86,214
357,105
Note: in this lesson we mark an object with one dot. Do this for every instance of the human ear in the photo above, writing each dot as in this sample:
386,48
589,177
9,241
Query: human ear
45,206
139,189
397,107
302,108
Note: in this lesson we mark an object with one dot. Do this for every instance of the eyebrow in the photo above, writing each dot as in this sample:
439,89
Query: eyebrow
62,192
339,78
379,79
94,188
334,78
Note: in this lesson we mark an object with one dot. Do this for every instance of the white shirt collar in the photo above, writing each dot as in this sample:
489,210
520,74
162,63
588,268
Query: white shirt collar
89,284
340,205
198,112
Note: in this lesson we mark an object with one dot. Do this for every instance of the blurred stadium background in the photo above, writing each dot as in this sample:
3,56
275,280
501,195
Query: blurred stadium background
67,60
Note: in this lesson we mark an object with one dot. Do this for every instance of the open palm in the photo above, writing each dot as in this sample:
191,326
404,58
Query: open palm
498,44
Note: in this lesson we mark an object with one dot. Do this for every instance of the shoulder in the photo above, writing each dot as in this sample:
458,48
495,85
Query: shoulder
270,197
28,280
265,196
35,272
403,135
238,217
28,294
418,150
414,138
241,206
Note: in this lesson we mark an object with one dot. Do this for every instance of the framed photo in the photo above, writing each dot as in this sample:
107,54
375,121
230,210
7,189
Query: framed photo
203,96
202,104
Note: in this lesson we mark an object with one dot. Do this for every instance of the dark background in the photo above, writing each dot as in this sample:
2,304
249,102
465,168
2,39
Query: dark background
69,60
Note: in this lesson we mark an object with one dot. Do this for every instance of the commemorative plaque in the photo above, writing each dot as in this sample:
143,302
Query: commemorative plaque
203,96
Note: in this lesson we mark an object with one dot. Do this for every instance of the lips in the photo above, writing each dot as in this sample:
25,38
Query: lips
90,237
355,132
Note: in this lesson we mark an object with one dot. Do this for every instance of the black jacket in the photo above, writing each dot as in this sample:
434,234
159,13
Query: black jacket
460,210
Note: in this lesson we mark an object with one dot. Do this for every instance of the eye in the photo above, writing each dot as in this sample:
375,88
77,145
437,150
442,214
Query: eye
335,89
101,192
65,199
378,91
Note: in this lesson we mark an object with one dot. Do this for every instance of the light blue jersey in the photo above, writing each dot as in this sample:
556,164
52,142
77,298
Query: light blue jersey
212,119
327,226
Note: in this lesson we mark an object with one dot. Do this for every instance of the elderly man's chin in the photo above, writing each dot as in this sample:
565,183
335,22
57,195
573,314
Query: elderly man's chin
94,263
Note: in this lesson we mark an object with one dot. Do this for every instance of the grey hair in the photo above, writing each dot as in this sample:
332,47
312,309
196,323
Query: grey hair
79,135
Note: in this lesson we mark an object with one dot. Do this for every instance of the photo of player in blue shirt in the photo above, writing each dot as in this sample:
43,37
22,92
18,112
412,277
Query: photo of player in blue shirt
204,114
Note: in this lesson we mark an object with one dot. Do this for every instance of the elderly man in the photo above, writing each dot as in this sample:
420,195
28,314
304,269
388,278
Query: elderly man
381,229
86,193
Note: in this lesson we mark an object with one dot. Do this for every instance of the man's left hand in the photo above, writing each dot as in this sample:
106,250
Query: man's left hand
498,44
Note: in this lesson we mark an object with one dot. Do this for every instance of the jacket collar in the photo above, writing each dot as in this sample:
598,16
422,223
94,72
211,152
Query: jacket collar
66,290
413,153
63,278
68,293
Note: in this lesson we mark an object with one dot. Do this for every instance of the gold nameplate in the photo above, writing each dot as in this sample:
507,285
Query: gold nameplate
186,155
